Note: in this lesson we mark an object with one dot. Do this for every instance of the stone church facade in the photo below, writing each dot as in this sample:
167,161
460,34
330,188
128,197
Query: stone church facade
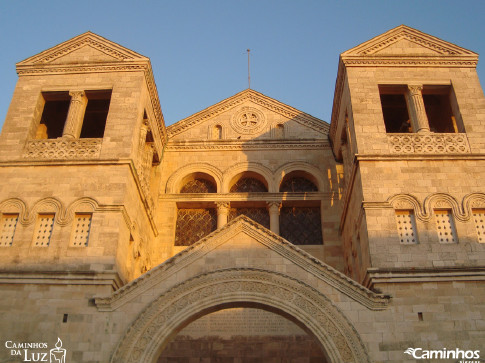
249,231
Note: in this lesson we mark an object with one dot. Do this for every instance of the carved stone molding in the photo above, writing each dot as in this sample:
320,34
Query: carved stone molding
430,143
63,149
423,210
246,145
64,213
186,301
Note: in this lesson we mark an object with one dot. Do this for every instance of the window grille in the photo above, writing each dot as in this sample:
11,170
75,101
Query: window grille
248,185
479,218
301,225
198,186
298,184
43,230
406,227
445,226
259,215
8,225
82,227
194,224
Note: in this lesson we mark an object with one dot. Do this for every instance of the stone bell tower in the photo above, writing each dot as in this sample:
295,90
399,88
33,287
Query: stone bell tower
79,152
408,124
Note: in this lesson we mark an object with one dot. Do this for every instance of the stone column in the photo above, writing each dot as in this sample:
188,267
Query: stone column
74,121
222,212
418,116
274,217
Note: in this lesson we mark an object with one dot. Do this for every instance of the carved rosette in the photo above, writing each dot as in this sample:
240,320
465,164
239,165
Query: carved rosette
428,144
63,149
248,121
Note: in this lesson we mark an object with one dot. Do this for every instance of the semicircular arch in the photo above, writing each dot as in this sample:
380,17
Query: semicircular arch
158,323
176,179
316,174
233,171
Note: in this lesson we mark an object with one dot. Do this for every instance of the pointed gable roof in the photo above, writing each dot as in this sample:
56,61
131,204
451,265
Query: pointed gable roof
105,49
404,45
242,224
257,98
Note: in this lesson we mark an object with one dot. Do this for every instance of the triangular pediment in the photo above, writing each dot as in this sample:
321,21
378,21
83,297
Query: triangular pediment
84,48
246,100
240,241
404,40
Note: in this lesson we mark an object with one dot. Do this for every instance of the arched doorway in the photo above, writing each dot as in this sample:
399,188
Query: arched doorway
168,314
244,332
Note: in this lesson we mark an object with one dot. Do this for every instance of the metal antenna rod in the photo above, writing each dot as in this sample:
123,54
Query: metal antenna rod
249,73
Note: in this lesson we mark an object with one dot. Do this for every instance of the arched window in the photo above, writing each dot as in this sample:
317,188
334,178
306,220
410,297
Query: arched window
198,186
248,185
300,221
195,223
297,184
299,181
250,182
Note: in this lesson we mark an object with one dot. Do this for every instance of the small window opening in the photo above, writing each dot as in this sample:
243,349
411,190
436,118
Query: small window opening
479,219
445,226
395,110
420,316
54,115
280,131
64,318
94,122
438,110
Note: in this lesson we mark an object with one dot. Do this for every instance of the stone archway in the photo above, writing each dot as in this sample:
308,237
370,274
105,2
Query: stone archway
157,324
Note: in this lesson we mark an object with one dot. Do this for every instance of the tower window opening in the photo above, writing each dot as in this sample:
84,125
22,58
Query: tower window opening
395,110
96,114
437,103
54,115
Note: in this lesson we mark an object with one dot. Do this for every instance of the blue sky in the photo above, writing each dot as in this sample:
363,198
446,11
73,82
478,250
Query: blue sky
198,48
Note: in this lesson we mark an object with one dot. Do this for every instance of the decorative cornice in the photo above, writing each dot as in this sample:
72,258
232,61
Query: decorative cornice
257,98
403,61
274,242
95,41
256,197
418,275
57,277
215,145
441,48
